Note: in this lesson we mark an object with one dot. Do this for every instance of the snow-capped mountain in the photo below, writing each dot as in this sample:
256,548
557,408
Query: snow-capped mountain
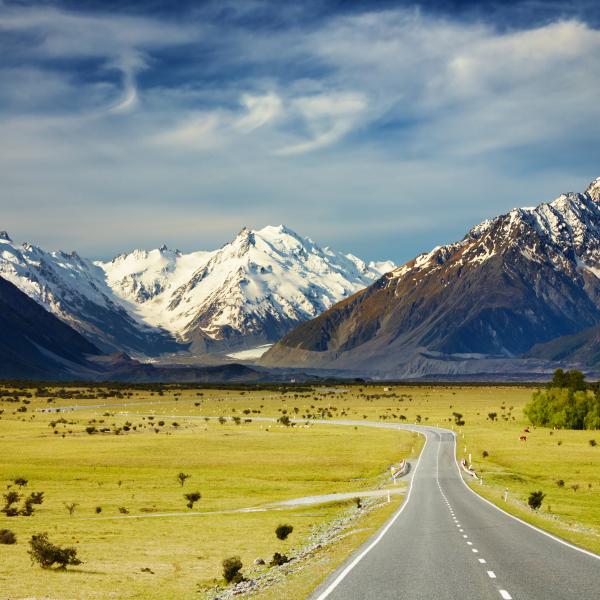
74,289
523,278
249,292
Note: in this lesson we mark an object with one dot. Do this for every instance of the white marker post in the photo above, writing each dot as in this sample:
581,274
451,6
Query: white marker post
505,494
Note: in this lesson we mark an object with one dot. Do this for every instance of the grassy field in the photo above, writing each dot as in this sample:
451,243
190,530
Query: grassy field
141,554
254,464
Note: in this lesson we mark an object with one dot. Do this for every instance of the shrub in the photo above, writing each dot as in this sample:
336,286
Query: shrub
358,502
485,454
283,531
90,429
182,477
98,510
21,481
565,408
7,537
71,506
123,510
192,498
560,483
278,559
593,443
535,499
284,420
47,554
231,569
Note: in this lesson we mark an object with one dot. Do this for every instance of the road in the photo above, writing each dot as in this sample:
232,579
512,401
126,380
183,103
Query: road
447,543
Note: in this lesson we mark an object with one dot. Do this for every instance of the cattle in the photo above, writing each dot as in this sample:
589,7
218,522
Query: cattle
523,438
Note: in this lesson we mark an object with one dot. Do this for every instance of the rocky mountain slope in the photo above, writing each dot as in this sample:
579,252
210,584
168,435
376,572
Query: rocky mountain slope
524,278
36,344
161,302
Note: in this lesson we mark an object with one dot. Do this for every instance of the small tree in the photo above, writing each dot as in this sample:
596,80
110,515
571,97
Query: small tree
283,531
71,506
47,554
284,420
182,477
278,559
535,499
192,498
231,569
21,481
492,416
7,537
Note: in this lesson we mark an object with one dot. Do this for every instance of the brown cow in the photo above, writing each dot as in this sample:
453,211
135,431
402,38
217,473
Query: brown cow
523,438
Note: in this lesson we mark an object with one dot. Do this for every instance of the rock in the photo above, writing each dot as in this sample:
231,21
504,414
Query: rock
259,561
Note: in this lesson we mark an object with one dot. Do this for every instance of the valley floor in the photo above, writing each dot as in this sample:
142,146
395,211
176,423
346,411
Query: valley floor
153,434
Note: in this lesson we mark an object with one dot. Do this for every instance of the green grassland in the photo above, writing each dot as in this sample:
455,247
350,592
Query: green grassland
238,466
233,466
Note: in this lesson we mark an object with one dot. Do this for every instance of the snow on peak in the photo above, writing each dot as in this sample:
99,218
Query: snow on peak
261,278
4,236
593,190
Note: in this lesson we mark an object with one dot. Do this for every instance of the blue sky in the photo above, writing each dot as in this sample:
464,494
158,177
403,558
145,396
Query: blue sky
381,128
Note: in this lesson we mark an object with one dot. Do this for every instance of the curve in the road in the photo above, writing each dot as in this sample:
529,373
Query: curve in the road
449,543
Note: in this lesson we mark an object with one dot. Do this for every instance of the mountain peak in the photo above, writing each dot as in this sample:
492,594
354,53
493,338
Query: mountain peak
593,190
4,236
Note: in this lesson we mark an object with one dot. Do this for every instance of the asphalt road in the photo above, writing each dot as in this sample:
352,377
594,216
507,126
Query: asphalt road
447,543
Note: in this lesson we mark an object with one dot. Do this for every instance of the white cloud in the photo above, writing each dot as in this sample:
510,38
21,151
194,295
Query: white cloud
328,117
259,111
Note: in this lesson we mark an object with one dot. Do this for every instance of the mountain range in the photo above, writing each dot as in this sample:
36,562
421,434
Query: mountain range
163,302
517,294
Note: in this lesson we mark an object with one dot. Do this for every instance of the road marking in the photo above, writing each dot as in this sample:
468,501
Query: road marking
491,574
475,550
552,537
505,595
481,560
469,543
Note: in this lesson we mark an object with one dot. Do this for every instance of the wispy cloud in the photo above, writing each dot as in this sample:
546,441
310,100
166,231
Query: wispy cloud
264,111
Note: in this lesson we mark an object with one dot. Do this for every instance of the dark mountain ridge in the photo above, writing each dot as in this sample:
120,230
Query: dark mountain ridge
524,278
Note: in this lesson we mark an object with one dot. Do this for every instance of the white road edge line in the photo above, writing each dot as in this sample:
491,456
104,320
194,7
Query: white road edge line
552,537
351,566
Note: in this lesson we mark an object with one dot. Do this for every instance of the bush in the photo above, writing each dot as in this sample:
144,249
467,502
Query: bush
98,510
47,554
593,443
535,499
182,477
7,537
485,454
192,498
283,531
564,408
560,483
21,481
278,559
231,569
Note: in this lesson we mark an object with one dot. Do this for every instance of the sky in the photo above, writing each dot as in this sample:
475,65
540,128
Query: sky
378,128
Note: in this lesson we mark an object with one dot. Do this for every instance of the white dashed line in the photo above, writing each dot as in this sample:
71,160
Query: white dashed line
475,550
481,560
491,574
505,595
